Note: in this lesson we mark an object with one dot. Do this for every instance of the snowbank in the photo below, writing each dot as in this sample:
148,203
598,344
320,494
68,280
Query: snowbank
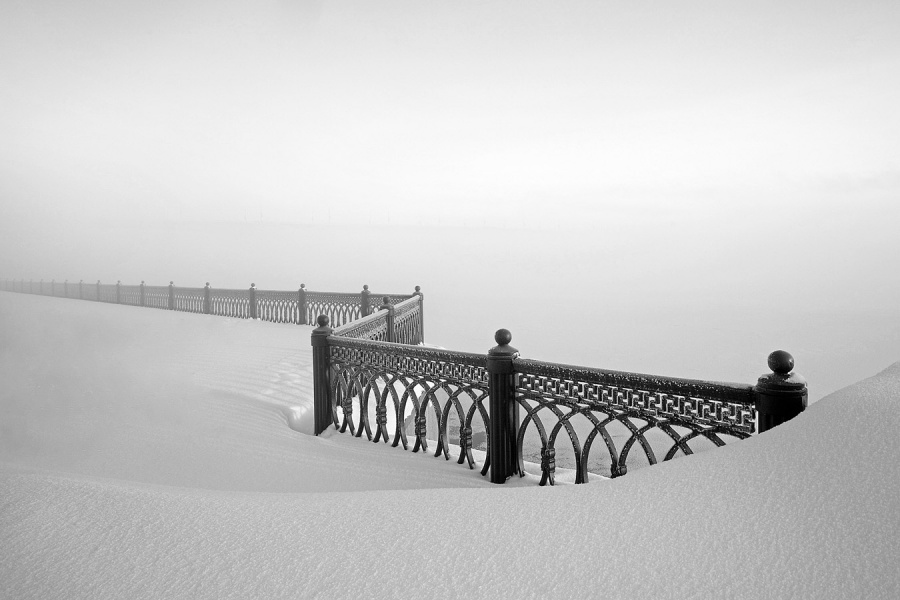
140,455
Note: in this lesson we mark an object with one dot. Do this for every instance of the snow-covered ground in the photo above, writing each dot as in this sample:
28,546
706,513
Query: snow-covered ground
151,454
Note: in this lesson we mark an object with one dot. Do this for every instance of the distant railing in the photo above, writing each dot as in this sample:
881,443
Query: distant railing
267,305
517,411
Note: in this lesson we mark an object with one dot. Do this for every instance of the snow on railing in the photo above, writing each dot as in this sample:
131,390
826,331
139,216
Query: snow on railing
514,410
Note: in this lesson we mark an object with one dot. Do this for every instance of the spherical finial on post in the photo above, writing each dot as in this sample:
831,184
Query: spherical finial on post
322,320
207,284
365,287
503,337
418,289
781,362
386,299
253,285
780,395
302,286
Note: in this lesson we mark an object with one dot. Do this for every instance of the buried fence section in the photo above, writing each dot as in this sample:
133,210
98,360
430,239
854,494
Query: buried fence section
529,411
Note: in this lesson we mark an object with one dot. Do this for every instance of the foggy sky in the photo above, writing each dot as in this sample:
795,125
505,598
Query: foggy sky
273,110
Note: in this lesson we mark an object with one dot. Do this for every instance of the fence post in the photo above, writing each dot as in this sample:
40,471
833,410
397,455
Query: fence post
421,314
504,409
390,335
53,287
98,290
780,395
322,411
42,288
301,303
206,299
31,286
142,292
364,304
171,295
66,288
81,289
252,300
118,292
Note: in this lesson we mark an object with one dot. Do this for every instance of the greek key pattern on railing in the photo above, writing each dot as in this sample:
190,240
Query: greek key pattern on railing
156,296
130,294
372,328
230,303
636,409
277,306
439,395
408,321
189,299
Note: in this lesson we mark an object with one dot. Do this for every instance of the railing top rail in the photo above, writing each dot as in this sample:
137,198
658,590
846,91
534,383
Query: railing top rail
344,329
355,295
411,301
737,393
421,352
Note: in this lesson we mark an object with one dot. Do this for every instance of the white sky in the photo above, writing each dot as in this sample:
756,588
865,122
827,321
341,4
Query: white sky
269,110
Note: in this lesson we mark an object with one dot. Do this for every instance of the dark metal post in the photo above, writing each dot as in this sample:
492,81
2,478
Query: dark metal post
780,395
171,295
98,290
206,299
322,410
421,314
142,293
118,292
391,335
301,304
364,302
504,410
252,300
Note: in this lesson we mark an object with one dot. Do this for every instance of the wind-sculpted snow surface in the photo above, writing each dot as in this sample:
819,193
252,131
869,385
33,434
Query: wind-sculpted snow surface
141,451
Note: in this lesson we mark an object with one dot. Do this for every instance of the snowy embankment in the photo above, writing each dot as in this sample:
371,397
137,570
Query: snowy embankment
148,454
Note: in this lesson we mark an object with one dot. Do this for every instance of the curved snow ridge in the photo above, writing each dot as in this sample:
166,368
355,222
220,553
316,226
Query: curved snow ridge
816,519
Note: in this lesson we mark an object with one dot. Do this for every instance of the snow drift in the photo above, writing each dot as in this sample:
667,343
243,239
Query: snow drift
148,454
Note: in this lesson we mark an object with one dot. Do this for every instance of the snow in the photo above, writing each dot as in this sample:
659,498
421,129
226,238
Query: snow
150,454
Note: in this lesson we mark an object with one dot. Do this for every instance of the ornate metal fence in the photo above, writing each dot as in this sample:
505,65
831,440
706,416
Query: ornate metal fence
372,376
268,305
514,410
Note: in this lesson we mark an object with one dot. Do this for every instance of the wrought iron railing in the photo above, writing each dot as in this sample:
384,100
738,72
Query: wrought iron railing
514,410
268,305
371,375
